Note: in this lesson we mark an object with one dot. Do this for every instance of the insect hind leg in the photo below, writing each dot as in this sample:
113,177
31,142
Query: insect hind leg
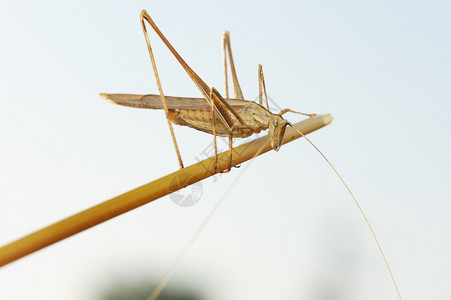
227,53
144,16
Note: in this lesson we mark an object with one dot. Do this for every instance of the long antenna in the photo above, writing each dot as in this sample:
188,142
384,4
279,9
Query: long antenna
373,233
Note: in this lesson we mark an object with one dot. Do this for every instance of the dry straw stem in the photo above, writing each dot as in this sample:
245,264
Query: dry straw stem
148,192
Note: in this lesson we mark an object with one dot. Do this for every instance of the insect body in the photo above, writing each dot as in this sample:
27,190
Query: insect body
217,115
196,113
213,114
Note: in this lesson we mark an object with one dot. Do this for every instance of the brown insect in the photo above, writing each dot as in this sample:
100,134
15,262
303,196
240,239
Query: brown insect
214,114
223,116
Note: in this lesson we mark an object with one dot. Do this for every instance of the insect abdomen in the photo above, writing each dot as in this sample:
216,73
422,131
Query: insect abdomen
203,121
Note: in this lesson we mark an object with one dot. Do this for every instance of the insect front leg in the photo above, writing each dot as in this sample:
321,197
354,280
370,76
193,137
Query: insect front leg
262,91
283,111
230,153
213,117
261,85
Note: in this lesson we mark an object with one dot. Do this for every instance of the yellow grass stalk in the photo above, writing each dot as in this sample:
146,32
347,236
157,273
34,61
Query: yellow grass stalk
147,193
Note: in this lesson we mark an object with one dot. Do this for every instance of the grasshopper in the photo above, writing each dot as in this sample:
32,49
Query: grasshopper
223,116
213,114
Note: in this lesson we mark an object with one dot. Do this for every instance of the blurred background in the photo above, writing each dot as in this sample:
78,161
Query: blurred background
288,229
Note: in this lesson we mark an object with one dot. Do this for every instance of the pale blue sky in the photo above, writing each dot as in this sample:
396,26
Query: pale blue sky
382,69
